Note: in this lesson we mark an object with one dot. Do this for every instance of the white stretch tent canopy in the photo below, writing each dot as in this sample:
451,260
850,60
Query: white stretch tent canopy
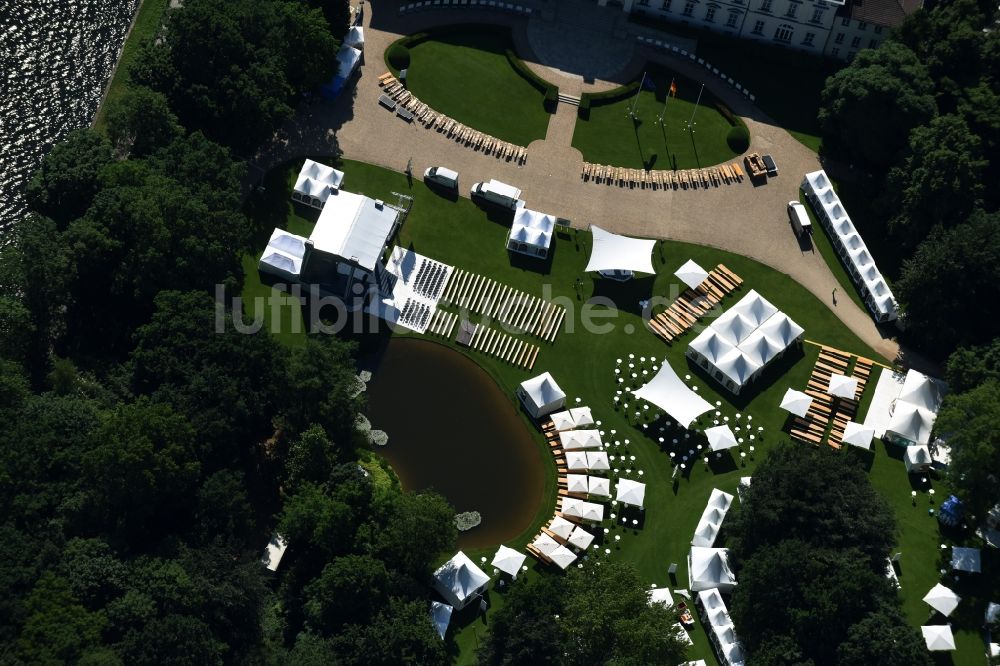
661,595
459,580
561,527
842,386
938,637
598,485
572,418
577,483
858,434
355,37
691,274
709,568
508,560
720,437
441,617
669,393
966,559
575,508
581,538
574,440
630,492
612,252
942,599
711,518
562,557
531,232
541,395
283,255
917,459
796,402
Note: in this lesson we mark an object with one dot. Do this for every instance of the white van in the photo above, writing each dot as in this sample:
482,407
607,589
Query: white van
442,176
799,218
499,193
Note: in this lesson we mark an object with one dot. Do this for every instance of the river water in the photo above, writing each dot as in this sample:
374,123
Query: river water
55,60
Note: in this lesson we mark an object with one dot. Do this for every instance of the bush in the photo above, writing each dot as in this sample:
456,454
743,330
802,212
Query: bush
550,91
584,110
551,99
738,139
398,56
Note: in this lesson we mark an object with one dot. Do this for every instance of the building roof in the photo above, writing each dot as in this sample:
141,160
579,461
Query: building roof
888,13
354,227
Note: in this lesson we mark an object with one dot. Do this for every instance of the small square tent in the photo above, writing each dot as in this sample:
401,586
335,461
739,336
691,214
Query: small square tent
577,483
709,568
796,402
598,460
545,544
348,61
857,434
576,461
561,527
574,440
938,637
508,560
441,617
599,486
562,557
720,438
630,492
842,386
691,273
572,418
917,459
283,255
531,233
581,538
460,581
661,595
966,559
315,183
942,599
541,395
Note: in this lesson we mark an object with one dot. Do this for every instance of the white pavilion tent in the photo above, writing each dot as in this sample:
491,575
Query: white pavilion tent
711,346
283,255
669,393
630,492
315,183
612,252
942,599
938,637
966,559
576,508
531,232
441,617
572,418
576,461
720,437
577,483
561,527
781,329
459,580
545,544
709,568
541,395
796,402
598,460
910,423
574,440
738,366
917,459
562,557
599,485
711,518
508,560
581,538
661,595
858,434
842,386
691,273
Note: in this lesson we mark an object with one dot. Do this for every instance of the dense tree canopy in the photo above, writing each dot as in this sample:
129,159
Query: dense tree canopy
969,367
968,422
140,122
66,182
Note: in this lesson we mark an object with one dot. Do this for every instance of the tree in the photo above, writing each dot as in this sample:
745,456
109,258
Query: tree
869,107
336,12
883,637
968,367
350,589
319,378
222,512
968,422
312,520
57,629
311,458
67,180
141,121
401,634
427,514
174,640
522,631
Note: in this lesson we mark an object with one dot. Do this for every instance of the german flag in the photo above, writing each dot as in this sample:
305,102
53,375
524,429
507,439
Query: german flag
673,87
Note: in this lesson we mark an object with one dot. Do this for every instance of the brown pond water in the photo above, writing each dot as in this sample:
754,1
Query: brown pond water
452,429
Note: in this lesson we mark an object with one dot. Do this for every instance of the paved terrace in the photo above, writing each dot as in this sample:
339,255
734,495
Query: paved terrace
740,218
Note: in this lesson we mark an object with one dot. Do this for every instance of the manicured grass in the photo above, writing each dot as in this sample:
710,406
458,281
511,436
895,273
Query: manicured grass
583,363
466,76
148,19
611,136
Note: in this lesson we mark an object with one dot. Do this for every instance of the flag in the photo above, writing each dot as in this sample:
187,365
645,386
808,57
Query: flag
673,87
649,84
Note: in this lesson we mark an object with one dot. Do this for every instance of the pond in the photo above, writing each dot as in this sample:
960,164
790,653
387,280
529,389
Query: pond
453,430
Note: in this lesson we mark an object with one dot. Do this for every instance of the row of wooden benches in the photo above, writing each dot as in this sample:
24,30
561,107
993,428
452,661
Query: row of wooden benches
686,179
692,304
827,411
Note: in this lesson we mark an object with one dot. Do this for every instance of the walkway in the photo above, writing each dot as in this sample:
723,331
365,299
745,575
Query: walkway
740,218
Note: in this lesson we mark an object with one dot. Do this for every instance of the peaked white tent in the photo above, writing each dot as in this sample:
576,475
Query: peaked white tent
441,617
315,183
577,483
661,595
599,485
576,461
508,560
942,599
598,460
691,273
531,232
781,329
355,37
711,518
574,440
709,568
922,391
575,508
738,366
720,437
858,434
572,418
910,423
796,402
459,580
541,395
668,392
612,252
842,386
720,627
938,637
630,492
754,308
283,255
712,346
545,544
917,459
561,527
562,557
966,559
581,538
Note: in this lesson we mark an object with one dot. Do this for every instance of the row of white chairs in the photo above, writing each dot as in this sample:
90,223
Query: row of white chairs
683,53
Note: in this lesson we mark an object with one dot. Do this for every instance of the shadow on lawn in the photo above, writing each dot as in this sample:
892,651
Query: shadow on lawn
771,374
624,295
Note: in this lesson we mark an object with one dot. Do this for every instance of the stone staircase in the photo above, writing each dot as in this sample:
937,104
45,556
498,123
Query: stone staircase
569,99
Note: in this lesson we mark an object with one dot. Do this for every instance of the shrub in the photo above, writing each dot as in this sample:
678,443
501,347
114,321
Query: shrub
738,139
550,91
551,99
398,57
584,110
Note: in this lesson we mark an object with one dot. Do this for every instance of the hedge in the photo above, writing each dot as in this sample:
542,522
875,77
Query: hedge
738,139
588,100
549,90
398,57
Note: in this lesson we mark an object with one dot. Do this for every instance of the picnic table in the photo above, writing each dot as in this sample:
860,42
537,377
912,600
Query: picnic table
755,165
387,102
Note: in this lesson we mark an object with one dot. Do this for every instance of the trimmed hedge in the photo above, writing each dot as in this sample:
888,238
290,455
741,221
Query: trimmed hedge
398,56
588,100
550,91
738,139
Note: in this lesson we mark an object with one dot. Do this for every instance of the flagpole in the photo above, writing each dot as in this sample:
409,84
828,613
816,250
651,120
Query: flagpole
635,103
697,102
666,99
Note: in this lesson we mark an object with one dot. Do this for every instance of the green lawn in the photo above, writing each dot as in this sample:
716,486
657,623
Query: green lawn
611,136
583,363
148,19
466,76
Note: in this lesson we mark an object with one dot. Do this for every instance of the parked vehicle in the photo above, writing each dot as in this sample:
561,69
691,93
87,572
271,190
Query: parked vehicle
441,176
799,218
499,193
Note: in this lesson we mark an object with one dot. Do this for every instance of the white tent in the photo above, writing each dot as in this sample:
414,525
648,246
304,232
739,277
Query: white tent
348,59
574,440
842,386
562,557
922,391
575,508
441,617
966,559
691,274
761,348
711,518
781,329
581,538
709,568
572,418
545,544
754,308
577,483
459,580
712,346
738,366
858,435
910,423
315,183
720,437
733,326
531,232
938,637
630,492
942,599
661,595
796,402
598,460
273,552
355,37
917,459
668,392
612,252
743,486
508,560
576,461
599,485
283,255
354,229
561,527
541,395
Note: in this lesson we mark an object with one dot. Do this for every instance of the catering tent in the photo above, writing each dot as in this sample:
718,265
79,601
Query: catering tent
842,386
668,392
283,255
545,544
796,402
917,459
910,424
630,492
942,599
599,485
541,395
569,419
858,434
315,183
661,595
561,527
711,346
441,617
531,232
720,437
711,518
709,568
355,37
938,637
562,557
581,538
598,460
966,559
691,273
577,483
612,252
574,440
576,508
508,560
460,581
